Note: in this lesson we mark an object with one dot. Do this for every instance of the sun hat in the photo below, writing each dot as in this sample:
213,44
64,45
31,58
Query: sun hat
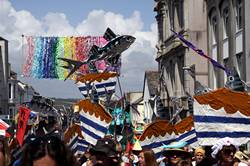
226,141
176,148
104,146
247,153
241,156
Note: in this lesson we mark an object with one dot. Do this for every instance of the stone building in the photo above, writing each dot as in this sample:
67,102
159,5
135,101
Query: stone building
4,74
19,94
136,107
13,92
228,38
187,17
150,95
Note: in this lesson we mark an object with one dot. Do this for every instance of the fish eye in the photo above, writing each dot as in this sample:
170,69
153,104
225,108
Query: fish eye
231,78
128,39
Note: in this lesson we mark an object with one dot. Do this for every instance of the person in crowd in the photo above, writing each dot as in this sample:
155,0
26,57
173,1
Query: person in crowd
240,159
248,155
163,161
184,163
224,151
199,155
129,159
48,150
2,152
103,153
147,158
175,152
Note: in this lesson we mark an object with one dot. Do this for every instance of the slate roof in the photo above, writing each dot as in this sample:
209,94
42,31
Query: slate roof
152,78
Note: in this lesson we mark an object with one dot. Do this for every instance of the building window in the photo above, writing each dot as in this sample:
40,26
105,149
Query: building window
9,91
14,91
180,67
160,27
226,62
11,112
240,63
239,14
214,26
180,12
225,15
171,14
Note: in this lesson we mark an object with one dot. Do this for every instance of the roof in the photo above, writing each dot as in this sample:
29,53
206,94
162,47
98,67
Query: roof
1,38
152,78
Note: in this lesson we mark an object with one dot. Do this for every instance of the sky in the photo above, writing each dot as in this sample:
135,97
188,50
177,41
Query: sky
81,18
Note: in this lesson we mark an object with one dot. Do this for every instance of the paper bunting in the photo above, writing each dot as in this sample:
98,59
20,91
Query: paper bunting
42,53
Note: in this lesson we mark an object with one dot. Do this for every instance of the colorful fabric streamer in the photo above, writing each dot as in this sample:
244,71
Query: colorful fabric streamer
42,55
200,52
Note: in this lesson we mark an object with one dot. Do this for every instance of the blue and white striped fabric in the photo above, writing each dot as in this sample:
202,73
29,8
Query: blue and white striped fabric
211,125
189,137
92,128
78,145
106,86
156,143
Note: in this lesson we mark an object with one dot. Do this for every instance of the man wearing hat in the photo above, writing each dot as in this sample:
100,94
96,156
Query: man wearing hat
199,155
103,153
175,152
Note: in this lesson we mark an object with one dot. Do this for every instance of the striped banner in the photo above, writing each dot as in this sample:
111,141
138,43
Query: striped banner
78,145
186,132
189,137
92,128
212,124
94,121
156,135
161,133
156,143
106,86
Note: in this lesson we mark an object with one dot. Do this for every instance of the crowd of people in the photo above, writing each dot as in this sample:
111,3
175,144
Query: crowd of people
50,150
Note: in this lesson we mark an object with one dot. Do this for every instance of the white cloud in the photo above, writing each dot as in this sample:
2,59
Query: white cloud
57,25
138,58
98,20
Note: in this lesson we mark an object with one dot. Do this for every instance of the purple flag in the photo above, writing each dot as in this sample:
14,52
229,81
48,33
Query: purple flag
200,52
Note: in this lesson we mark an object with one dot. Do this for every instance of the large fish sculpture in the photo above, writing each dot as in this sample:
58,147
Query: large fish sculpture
111,52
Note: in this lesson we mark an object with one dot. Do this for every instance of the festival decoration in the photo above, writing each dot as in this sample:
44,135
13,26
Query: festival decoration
74,139
3,127
161,133
102,88
42,55
156,135
23,118
94,121
110,52
95,77
201,53
222,113
186,131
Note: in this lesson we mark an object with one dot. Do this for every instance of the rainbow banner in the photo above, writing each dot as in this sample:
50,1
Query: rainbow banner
42,53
